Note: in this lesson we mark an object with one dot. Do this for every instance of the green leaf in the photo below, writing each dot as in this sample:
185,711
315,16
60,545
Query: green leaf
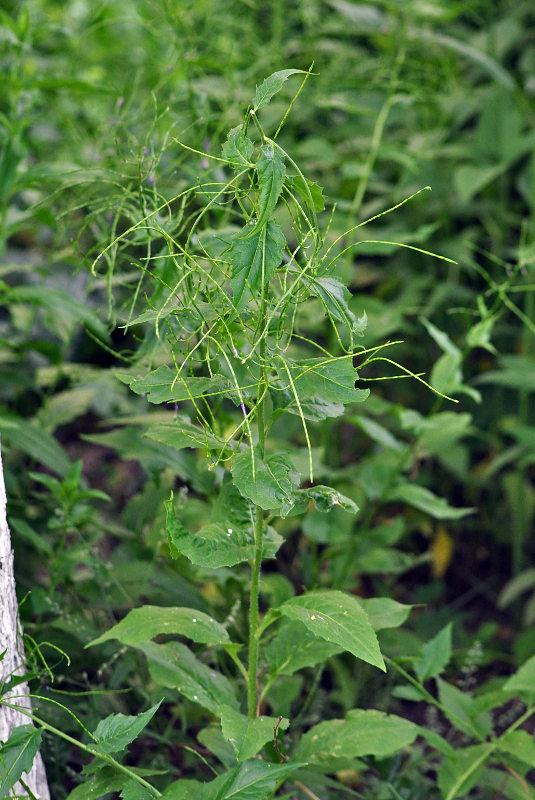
459,773
184,790
520,745
255,254
435,655
238,148
325,498
17,755
271,85
213,546
181,433
248,736
384,612
35,442
309,191
133,790
270,170
334,297
143,624
330,380
106,780
463,711
294,647
337,618
272,482
252,780
361,733
424,500
523,681
117,731
166,385
174,665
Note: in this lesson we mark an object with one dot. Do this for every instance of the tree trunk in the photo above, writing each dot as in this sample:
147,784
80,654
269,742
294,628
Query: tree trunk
13,661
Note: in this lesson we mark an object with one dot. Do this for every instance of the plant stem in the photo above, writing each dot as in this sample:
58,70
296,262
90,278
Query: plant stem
252,692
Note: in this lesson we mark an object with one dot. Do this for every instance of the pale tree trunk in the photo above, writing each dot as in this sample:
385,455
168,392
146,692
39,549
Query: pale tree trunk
13,661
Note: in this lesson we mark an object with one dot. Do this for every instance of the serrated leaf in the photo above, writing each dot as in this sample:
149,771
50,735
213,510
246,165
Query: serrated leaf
309,191
270,483
270,170
271,85
330,380
294,647
252,780
182,433
166,385
424,500
361,733
523,680
248,736
255,254
174,665
17,755
143,624
337,618
117,731
435,655
384,612
213,546
334,297
238,148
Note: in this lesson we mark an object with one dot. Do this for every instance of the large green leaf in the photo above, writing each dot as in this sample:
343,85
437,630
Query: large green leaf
520,745
435,655
181,433
17,755
165,385
523,681
252,780
271,85
334,297
270,170
361,733
424,500
337,618
115,732
174,665
309,191
106,780
269,483
294,647
255,254
213,546
248,736
133,790
143,624
331,380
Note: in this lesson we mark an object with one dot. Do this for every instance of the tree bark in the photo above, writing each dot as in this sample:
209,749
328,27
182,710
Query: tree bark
13,661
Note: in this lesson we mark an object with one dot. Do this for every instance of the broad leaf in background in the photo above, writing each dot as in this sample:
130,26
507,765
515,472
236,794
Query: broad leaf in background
384,612
117,731
435,655
424,500
337,618
254,254
361,733
144,623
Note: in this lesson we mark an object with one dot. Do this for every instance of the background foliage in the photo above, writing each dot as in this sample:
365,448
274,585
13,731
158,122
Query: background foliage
405,96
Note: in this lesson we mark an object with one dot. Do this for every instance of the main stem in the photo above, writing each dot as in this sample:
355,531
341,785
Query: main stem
252,689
